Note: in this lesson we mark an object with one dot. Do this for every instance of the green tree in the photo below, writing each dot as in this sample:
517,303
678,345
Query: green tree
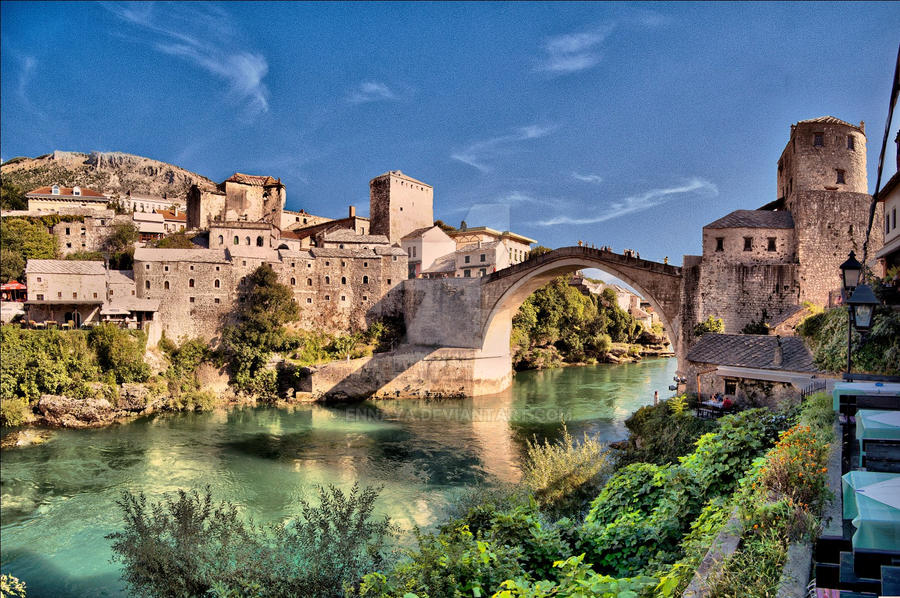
12,197
12,265
177,240
711,324
123,237
264,308
120,351
444,226
538,250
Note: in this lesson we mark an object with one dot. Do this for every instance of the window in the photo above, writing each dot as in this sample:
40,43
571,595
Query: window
819,139
365,280
236,240
309,299
40,297
343,263
730,387
59,295
147,267
482,258
259,241
293,282
389,281
191,267
327,280
748,243
395,258
166,285
771,245
191,283
327,263
482,272
327,297
221,240
887,225
243,262
217,300
365,298
39,278
68,246
365,264
341,246
894,218
191,299
76,191
468,259
467,273
74,295
309,265
110,292
309,282
147,284
218,283
851,143
67,231
840,177
343,280
343,297
720,243
246,240
165,268
55,190
409,252
217,268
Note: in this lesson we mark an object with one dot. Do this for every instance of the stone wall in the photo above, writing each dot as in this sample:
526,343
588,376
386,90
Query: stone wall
89,235
804,166
733,245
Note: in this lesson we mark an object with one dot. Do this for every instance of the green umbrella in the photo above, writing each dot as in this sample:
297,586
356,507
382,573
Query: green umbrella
872,501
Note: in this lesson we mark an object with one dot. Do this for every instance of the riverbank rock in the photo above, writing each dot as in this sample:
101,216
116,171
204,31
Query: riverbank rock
133,397
66,412
26,437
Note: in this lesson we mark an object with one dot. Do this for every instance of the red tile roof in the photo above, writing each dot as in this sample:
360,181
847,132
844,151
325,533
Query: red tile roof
253,179
65,192
170,215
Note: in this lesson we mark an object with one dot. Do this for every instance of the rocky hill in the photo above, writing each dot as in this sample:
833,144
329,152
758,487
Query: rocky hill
113,173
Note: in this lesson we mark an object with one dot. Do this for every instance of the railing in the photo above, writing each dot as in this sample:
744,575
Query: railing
816,385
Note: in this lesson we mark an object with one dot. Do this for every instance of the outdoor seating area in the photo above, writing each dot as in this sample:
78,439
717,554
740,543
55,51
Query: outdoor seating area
716,407
864,560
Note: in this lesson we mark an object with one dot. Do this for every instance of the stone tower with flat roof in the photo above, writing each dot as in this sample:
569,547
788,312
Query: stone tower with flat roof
398,205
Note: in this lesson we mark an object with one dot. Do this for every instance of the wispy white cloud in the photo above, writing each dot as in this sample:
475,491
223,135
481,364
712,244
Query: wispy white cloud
587,178
573,52
638,203
480,153
211,45
372,91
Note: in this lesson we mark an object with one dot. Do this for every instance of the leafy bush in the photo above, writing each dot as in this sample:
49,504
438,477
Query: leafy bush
563,475
120,351
190,545
15,411
878,352
711,324
11,587
24,240
662,433
37,362
576,579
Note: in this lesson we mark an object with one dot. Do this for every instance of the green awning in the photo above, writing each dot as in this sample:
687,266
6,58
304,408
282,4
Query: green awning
872,502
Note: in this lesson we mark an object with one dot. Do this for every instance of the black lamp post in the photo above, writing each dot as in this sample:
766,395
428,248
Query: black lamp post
862,307
850,270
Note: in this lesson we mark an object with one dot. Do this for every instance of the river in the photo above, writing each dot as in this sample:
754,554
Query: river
58,498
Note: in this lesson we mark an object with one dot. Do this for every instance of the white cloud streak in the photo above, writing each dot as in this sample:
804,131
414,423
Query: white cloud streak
479,154
638,203
213,48
587,178
372,91
573,52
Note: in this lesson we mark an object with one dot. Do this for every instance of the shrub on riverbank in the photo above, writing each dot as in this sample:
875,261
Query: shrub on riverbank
190,545
659,434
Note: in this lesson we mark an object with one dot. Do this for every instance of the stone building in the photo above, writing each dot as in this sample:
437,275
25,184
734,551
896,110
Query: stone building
888,254
516,246
240,197
425,245
301,219
133,202
753,369
55,198
173,220
86,233
399,204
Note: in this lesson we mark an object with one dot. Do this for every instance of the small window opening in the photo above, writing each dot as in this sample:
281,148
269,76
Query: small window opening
819,140
771,244
191,283
720,243
166,285
748,243
840,177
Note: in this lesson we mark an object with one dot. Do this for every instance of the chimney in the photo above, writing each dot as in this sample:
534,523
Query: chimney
779,353
352,211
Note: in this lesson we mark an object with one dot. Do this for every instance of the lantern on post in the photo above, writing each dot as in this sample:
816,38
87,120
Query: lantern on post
850,270
862,307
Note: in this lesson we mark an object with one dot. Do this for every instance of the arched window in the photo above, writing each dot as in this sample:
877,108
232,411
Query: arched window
147,284
365,280
309,282
217,284
221,240
343,280
55,190
166,285
327,280
191,283
76,190
236,240
293,281
247,240
259,241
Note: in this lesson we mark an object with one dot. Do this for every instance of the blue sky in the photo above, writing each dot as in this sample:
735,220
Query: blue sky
630,125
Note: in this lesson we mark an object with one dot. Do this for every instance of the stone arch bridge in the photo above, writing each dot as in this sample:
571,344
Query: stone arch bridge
465,323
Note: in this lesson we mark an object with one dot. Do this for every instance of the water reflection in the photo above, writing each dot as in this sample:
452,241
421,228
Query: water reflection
58,498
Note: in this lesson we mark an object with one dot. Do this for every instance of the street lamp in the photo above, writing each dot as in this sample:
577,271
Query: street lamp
850,273
862,307
860,300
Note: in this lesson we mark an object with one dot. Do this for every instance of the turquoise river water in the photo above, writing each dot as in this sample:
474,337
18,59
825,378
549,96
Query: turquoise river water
58,498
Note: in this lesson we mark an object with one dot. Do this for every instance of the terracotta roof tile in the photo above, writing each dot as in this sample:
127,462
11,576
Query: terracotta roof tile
66,192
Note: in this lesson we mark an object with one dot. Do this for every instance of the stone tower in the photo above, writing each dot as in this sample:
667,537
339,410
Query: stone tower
822,182
398,205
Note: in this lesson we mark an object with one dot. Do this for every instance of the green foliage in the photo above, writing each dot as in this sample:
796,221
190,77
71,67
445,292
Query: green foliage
711,324
11,587
444,226
14,411
760,326
177,240
576,579
264,308
563,475
122,237
12,196
184,389
89,256
878,352
12,265
27,240
662,433
537,250
120,351
191,545
582,327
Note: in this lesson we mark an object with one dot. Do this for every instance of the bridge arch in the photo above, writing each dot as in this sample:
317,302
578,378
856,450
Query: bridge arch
506,290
